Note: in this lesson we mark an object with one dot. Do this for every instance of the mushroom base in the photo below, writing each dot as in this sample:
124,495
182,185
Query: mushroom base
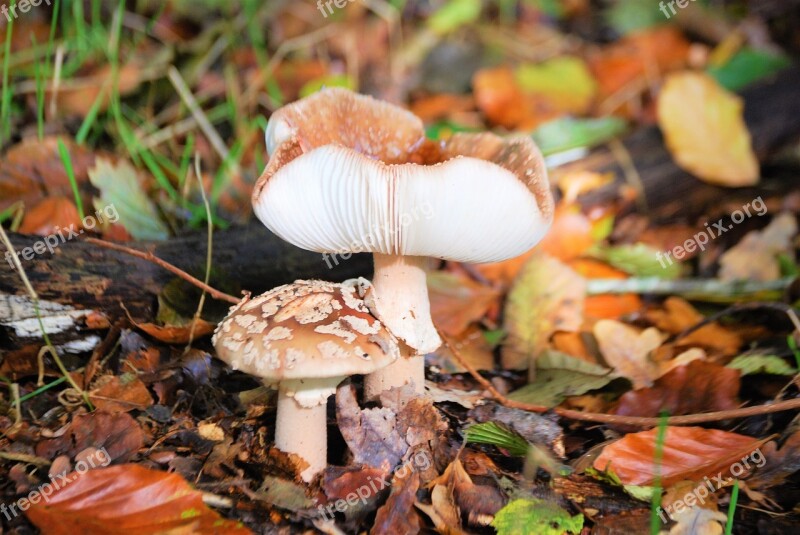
302,430
405,370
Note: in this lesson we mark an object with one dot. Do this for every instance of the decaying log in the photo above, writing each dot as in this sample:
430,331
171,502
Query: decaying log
248,258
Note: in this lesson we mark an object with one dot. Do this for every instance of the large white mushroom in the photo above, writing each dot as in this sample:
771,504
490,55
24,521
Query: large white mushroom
305,337
348,173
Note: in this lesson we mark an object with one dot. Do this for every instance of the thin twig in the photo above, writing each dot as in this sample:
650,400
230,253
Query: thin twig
150,257
615,419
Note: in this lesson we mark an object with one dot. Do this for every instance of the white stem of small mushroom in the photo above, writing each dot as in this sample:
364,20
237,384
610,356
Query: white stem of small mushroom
301,427
401,302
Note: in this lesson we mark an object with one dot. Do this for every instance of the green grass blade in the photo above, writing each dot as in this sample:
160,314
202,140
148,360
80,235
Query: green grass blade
732,508
67,161
655,502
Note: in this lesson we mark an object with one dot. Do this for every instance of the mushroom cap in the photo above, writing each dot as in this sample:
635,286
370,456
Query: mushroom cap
305,330
348,173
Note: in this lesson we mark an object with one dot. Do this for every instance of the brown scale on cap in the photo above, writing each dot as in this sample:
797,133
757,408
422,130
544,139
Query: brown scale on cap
308,329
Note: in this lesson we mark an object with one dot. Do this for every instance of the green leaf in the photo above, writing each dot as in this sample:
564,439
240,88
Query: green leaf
771,364
497,435
525,516
330,80
627,16
639,260
453,15
565,79
567,133
746,67
119,187
558,376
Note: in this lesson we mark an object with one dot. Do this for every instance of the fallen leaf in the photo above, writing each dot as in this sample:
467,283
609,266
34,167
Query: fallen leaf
33,169
398,515
697,387
501,100
127,499
752,364
563,84
547,297
605,306
679,315
697,521
49,215
765,245
628,350
533,515
776,464
688,453
705,132
631,59
120,393
471,345
558,376
439,106
371,434
172,334
457,496
457,301
118,433
120,187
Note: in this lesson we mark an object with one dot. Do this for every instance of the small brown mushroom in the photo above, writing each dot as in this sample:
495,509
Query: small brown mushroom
306,337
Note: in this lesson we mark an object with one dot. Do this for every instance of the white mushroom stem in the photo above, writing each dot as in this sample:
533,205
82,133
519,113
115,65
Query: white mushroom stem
302,427
401,303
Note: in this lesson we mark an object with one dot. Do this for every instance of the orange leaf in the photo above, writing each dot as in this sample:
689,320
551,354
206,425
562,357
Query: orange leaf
651,51
127,499
500,99
688,453
457,301
177,335
52,212
605,306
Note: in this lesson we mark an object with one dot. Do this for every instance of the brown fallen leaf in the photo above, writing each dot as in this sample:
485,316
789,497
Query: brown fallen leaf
33,169
777,464
440,106
605,306
547,297
630,60
501,100
471,345
678,315
688,453
456,488
371,434
171,334
765,245
128,499
628,350
697,387
398,515
49,215
457,301
705,132
120,393
119,434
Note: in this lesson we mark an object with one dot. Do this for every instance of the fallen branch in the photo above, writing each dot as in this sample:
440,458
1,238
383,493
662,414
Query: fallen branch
711,290
615,419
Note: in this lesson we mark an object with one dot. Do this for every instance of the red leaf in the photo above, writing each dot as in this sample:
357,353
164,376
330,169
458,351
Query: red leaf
688,453
127,499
